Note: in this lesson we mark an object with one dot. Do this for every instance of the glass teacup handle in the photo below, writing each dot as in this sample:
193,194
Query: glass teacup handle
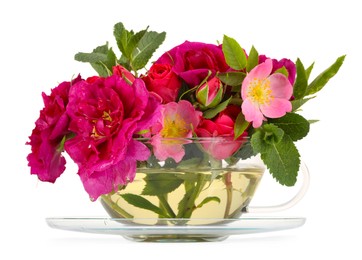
300,194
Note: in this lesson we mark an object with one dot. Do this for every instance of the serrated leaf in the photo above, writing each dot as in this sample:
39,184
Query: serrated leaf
294,125
296,104
245,152
232,78
141,202
322,79
301,82
234,55
253,59
145,48
100,69
207,200
282,160
264,136
121,35
133,42
160,183
90,57
240,125
210,113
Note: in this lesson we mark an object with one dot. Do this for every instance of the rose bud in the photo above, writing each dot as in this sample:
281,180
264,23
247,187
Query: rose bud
124,73
210,93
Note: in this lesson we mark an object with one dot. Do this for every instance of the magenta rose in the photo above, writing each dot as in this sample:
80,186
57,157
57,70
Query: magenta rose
221,129
51,127
163,81
105,116
277,64
192,61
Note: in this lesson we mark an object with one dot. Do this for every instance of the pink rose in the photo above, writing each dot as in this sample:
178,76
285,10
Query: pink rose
105,116
221,129
124,73
163,81
277,64
192,61
46,139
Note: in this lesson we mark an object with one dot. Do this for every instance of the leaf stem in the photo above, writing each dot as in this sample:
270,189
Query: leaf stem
113,206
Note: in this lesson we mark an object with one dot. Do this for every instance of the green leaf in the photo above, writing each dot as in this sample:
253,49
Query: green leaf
301,82
253,59
245,152
312,121
210,113
294,125
283,71
232,78
145,48
160,183
265,136
240,125
90,57
186,164
322,79
134,41
234,55
122,37
283,160
102,59
141,202
207,200
309,70
297,103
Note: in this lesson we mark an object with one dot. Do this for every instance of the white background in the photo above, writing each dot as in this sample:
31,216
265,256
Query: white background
38,40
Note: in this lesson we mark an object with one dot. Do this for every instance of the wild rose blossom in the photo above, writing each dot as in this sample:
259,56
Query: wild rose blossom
192,61
265,94
286,63
105,115
221,129
178,121
46,139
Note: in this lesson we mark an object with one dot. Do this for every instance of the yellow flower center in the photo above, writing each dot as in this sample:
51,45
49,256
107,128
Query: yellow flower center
259,91
174,127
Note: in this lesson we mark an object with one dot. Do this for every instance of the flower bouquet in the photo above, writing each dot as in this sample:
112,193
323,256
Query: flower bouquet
188,135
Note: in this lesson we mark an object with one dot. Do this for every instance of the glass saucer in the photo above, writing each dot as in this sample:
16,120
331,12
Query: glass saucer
175,230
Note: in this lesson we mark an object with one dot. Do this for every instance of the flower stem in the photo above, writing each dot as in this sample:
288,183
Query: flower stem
166,205
229,193
189,203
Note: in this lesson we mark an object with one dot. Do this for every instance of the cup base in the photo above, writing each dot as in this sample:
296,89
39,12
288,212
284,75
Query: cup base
177,238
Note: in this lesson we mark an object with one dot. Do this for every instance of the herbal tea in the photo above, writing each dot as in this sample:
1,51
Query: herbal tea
172,193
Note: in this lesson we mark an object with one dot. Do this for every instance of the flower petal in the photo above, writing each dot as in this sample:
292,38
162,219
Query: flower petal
280,86
277,108
252,113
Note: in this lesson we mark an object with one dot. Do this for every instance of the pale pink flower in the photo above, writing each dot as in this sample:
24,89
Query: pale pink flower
265,95
178,121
